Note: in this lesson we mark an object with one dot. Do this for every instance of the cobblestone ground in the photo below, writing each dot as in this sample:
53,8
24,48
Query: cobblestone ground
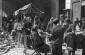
20,51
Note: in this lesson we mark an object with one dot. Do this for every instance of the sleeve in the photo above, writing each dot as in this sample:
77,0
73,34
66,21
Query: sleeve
15,26
47,27
52,32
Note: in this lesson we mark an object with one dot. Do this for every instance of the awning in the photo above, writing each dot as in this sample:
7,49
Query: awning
29,8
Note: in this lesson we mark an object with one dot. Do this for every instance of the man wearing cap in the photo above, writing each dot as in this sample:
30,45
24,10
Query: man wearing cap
27,29
57,37
67,23
27,25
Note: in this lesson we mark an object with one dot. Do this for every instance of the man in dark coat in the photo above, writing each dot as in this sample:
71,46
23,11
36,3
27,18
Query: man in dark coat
27,25
27,30
83,37
82,41
57,38
83,44
71,38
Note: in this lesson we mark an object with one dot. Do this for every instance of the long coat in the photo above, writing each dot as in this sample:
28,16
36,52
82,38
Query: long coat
83,45
27,28
71,38
58,33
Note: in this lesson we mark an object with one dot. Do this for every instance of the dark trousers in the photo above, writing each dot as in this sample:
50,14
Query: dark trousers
83,51
83,46
57,49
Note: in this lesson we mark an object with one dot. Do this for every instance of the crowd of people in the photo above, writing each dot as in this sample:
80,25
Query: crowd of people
61,31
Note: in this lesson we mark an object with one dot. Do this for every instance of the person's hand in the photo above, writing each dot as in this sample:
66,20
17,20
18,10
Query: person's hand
52,42
28,29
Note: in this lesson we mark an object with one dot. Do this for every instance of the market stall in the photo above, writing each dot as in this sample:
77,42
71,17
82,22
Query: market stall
28,10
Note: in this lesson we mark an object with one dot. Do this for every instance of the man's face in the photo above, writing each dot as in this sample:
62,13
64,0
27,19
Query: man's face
28,19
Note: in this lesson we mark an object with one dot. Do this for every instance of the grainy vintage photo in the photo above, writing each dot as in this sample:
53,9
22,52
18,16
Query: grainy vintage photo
42,27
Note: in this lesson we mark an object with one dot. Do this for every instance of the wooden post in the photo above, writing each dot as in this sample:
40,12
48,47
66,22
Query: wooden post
81,9
1,13
71,11
55,8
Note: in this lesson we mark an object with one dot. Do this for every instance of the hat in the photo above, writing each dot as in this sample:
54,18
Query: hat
56,20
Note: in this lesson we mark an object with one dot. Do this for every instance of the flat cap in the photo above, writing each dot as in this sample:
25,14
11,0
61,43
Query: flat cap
56,20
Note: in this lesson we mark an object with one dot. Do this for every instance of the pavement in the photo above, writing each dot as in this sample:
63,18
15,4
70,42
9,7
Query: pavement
20,51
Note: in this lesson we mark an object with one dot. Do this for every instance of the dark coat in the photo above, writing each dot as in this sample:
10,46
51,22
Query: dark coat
83,45
70,28
27,26
70,38
58,32
71,41
57,37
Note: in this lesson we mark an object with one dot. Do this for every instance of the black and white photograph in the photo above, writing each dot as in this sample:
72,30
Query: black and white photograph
42,27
